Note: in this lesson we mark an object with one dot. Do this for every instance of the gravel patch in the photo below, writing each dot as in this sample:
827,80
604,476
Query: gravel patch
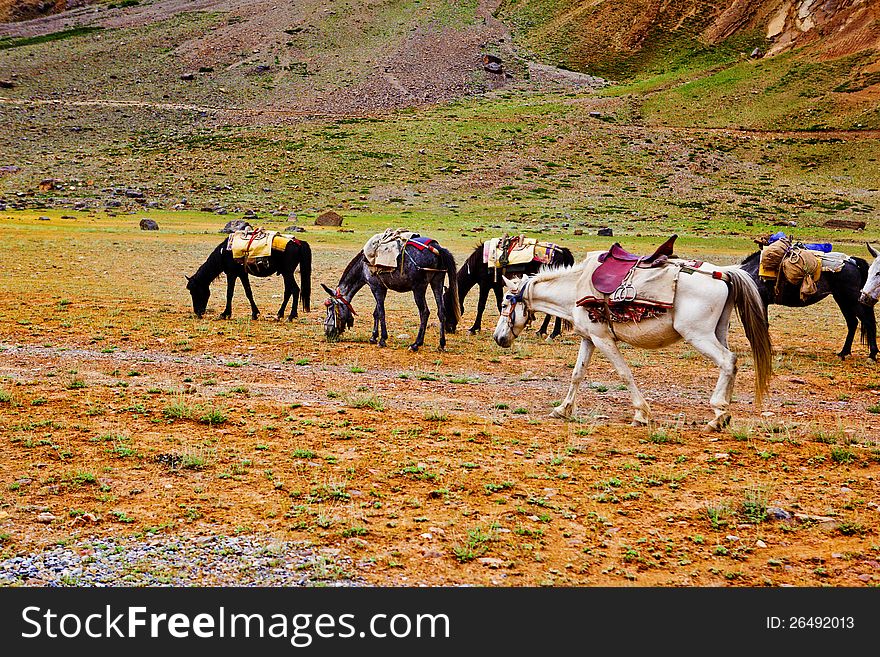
250,560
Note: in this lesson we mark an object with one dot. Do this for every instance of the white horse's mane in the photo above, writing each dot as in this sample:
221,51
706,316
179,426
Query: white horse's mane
550,272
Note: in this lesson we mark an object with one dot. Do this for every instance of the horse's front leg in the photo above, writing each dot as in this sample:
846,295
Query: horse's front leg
246,283
379,317
869,329
542,332
481,307
424,313
850,315
230,290
608,347
566,409
437,286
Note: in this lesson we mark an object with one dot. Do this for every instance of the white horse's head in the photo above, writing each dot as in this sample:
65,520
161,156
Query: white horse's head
871,289
515,313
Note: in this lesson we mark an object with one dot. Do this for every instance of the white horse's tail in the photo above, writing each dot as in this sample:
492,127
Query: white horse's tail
750,308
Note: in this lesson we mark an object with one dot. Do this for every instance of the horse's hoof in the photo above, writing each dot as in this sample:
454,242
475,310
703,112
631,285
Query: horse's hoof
473,331
719,422
873,356
442,348
559,414
374,340
381,343
414,348
224,316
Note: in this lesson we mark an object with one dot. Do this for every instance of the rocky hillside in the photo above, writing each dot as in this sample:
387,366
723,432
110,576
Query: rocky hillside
22,10
624,38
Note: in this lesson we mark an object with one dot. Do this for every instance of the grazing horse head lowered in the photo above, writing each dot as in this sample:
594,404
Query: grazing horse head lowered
419,268
340,314
284,262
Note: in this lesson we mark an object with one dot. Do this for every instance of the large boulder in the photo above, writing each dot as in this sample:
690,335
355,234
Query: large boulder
329,218
149,224
235,225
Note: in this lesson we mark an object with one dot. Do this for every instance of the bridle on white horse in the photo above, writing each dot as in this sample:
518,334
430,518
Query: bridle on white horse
519,297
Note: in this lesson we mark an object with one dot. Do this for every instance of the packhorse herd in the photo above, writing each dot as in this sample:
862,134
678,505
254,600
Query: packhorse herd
609,297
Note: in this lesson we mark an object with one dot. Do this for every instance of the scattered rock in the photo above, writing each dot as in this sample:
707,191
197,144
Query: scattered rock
9,168
7,84
731,537
757,53
188,76
49,184
133,193
605,232
41,218
235,225
492,64
596,115
760,544
491,562
295,229
189,389
578,231
149,224
776,513
845,223
46,517
329,218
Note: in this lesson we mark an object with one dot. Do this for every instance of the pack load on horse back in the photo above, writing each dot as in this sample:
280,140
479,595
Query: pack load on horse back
498,257
796,274
398,260
258,253
649,302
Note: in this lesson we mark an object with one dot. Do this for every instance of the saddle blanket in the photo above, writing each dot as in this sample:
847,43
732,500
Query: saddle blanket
247,246
831,261
654,286
519,250
383,249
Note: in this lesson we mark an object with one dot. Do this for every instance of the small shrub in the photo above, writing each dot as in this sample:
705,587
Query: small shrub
842,455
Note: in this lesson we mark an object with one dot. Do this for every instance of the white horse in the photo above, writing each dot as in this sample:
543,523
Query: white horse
870,291
700,315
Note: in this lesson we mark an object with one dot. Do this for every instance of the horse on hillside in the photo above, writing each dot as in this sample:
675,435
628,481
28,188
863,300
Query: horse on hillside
844,287
296,253
703,302
418,267
475,271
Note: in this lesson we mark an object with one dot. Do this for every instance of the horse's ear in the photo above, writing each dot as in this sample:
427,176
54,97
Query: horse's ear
328,290
509,282
871,250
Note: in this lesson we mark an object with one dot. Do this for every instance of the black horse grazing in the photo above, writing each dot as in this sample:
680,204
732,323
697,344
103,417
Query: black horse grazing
295,254
844,286
420,268
476,272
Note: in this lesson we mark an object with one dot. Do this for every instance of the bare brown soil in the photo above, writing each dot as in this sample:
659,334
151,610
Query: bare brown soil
429,468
